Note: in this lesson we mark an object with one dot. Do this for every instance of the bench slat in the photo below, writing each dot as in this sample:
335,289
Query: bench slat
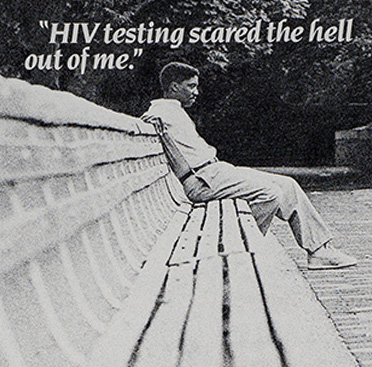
185,249
300,322
162,341
116,347
203,337
243,206
249,226
231,238
250,336
208,245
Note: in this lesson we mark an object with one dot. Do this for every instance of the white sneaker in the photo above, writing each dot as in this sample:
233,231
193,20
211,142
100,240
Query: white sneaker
327,257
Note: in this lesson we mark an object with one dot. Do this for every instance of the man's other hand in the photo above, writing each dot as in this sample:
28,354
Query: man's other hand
157,122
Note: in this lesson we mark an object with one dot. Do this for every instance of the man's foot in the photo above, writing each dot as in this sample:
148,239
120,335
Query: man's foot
327,257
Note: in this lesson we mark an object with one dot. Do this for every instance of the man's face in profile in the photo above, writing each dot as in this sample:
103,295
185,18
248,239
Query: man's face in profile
187,91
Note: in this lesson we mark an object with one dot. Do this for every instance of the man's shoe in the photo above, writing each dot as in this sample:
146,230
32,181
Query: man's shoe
327,257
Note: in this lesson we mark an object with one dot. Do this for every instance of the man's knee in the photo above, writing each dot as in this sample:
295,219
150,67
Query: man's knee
282,190
288,181
286,186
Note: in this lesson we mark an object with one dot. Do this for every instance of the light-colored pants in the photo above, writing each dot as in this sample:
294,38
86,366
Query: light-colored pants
267,194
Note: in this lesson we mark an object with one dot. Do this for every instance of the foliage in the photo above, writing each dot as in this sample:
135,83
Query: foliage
19,24
331,73
246,88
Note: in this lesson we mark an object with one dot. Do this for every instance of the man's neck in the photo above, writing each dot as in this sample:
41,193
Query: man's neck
171,97
167,100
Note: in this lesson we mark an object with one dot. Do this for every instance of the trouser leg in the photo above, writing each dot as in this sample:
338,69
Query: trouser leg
294,206
268,195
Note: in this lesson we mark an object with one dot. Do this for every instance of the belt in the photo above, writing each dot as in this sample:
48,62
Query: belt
196,169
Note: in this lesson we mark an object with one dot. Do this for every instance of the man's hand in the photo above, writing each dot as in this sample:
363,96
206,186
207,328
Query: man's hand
157,122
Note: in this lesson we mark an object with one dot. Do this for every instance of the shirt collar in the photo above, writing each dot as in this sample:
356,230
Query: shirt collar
163,101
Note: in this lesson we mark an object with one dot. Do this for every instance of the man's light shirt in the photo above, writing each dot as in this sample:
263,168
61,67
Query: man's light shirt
182,129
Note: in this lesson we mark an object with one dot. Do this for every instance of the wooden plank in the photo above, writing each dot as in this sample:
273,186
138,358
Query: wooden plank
231,238
243,206
251,234
161,343
251,340
208,245
115,347
185,249
203,335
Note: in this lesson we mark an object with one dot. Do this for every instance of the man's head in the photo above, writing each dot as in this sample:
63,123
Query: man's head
180,81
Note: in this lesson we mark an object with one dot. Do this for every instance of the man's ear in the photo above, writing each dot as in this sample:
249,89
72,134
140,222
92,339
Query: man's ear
174,87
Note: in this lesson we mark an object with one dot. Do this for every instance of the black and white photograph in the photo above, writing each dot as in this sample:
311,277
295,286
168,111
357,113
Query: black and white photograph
186,183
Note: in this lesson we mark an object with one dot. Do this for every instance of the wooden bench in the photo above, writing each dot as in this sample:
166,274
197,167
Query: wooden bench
217,293
105,263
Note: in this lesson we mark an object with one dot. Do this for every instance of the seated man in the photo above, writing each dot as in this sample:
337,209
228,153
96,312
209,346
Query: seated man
206,178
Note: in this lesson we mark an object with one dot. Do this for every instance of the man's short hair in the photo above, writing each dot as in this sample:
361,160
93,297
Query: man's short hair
176,72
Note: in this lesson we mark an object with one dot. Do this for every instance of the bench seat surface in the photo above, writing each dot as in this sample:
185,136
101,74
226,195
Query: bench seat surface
225,296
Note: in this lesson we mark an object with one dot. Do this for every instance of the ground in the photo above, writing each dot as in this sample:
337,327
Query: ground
346,294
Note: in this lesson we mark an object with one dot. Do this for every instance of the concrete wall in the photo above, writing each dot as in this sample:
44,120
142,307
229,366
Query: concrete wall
83,197
354,148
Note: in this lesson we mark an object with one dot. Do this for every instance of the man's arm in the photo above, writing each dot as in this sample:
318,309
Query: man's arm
176,160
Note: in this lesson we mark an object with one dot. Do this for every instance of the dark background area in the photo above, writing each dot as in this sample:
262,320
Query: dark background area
260,104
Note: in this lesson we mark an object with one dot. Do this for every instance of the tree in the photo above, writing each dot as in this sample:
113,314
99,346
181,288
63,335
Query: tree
248,87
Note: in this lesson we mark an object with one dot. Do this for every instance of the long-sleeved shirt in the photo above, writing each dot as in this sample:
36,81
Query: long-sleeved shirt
182,129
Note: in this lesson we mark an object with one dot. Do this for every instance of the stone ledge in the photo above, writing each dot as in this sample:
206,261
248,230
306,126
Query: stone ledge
354,148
